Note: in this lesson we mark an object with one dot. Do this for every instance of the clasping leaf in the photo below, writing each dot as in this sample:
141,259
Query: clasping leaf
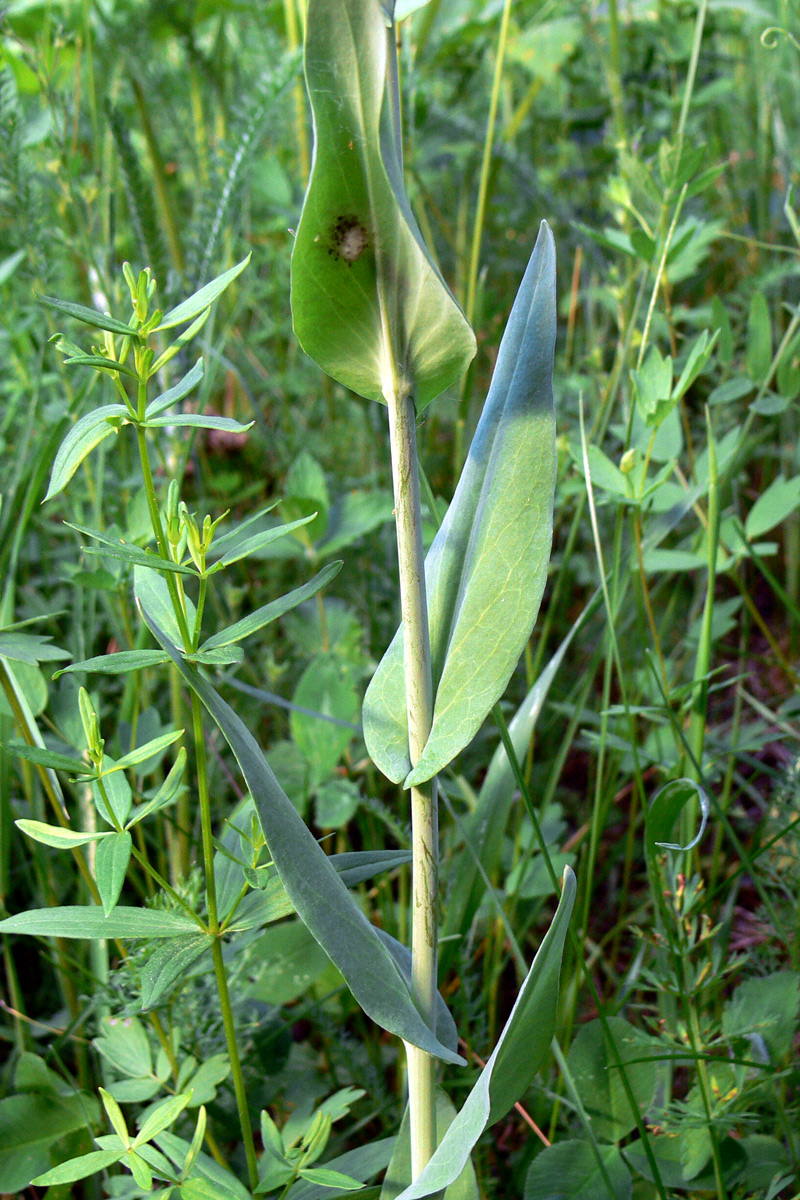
487,567
368,302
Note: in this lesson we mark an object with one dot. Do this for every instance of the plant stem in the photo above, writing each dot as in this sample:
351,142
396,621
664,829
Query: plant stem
424,802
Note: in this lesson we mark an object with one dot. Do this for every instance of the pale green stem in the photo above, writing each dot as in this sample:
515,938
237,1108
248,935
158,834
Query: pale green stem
424,814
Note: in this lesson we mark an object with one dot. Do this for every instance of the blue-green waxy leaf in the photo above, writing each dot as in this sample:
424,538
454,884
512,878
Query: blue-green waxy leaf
521,1049
82,438
486,570
398,1174
368,303
318,894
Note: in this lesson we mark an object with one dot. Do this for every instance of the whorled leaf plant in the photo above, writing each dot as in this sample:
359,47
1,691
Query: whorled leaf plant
372,309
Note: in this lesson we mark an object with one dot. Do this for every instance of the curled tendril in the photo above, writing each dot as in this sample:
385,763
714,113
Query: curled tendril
771,36
688,785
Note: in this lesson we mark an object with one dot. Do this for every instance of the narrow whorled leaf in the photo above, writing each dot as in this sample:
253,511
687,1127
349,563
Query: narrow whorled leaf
276,608
76,921
487,567
258,540
521,1049
187,310
117,664
162,1118
320,898
166,793
111,865
177,393
111,548
82,438
54,835
366,295
198,421
50,758
99,362
148,750
78,1168
90,316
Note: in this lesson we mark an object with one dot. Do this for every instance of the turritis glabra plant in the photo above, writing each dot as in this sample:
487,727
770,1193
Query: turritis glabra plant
370,306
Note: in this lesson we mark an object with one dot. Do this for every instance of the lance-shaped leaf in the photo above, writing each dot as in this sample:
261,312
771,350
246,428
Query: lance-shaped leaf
486,570
318,894
368,303
518,1055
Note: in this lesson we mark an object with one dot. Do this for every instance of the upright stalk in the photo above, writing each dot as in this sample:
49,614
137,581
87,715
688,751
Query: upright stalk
424,802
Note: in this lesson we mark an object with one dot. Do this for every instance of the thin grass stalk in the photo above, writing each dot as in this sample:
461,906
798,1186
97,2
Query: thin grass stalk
480,217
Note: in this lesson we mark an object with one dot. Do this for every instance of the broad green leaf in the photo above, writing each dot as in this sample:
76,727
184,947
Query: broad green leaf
520,1051
32,1122
767,1008
29,648
111,865
161,1118
361,1163
90,316
327,1178
198,421
352,516
398,1175
78,1168
205,1189
176,393
116,793
328,687
276,608
336,803
773,506
187,310
167,964
759,339
319,896
54,835
306,491
486,569
124,1044
570,1171
125,551
82,438
367,299
599,1080
652,387
76,921
289,962
117,664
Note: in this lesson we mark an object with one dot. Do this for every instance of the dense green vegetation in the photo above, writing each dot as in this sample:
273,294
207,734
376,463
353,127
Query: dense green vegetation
155,152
